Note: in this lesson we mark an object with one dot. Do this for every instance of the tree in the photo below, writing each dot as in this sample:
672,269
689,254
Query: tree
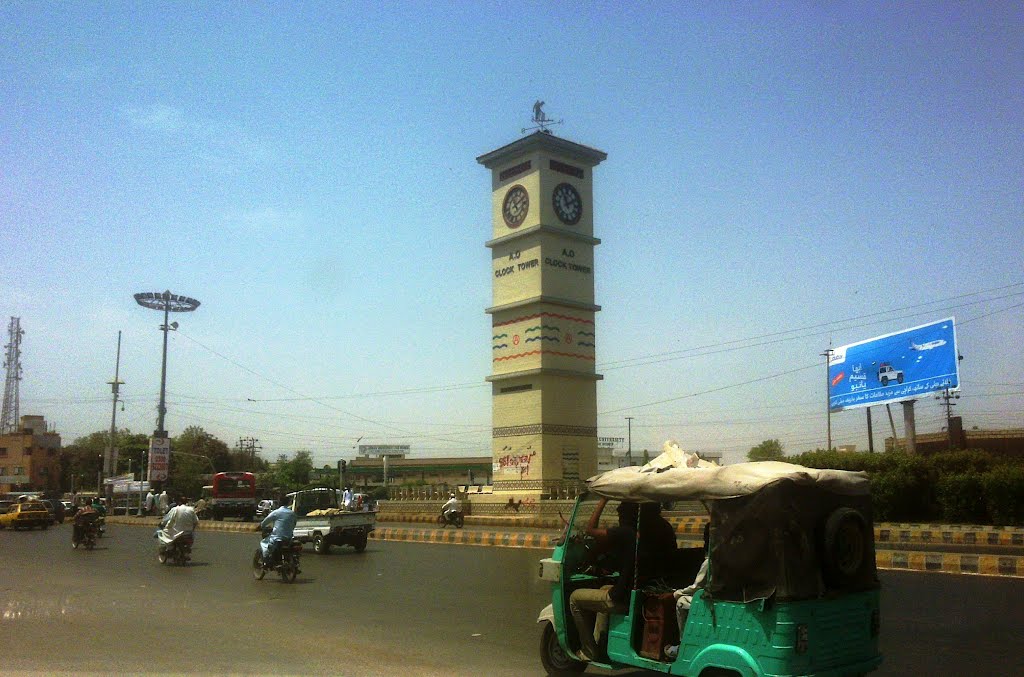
769,450
287,474
82,460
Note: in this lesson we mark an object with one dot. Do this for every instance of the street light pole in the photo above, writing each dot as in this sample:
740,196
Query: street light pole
109,461
163,375
169,303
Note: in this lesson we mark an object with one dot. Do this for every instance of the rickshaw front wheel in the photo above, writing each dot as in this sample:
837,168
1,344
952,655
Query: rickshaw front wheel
556,662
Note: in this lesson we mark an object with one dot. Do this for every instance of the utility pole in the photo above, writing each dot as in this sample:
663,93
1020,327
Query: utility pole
947,396
250,446
629,437
828,395
110,458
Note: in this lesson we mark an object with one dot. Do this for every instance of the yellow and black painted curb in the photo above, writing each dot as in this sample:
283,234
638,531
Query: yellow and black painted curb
888,560
950,563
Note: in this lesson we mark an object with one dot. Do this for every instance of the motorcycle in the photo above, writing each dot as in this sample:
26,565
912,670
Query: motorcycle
454,518
85,534
285,561
178,550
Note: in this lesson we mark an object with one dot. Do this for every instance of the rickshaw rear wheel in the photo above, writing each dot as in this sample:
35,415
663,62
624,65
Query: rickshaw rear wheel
554,659
847,545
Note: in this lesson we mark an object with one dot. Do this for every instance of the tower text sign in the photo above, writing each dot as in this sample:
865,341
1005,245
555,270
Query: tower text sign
895,367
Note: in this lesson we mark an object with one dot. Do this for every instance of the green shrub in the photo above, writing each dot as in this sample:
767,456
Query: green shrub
903,494
961,498
1004,495
961,462
971,486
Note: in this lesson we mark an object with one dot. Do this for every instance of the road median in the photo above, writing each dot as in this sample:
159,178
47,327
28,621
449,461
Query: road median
975,563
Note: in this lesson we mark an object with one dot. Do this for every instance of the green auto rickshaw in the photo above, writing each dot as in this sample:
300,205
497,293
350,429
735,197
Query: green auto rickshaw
790,586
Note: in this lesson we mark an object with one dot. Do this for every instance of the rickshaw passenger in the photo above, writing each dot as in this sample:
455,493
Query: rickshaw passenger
586,603
657,543
684,596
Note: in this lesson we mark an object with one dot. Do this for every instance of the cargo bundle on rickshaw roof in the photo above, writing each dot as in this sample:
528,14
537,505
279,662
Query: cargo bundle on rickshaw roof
661,483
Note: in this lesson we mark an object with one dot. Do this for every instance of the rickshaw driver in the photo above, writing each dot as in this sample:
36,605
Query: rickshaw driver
586,603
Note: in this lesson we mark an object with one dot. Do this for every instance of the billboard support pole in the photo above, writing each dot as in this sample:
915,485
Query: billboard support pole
828,396
871,438
909,428
892,425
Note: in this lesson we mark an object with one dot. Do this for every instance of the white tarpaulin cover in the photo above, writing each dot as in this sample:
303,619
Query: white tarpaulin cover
678,475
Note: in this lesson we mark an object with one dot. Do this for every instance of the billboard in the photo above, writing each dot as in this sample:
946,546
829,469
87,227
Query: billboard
895,367
159,457
384,450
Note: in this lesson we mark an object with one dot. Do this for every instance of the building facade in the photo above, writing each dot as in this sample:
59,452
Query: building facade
370,472
30,458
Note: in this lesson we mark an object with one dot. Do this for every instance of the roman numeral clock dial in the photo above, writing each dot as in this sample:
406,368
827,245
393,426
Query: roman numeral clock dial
515,206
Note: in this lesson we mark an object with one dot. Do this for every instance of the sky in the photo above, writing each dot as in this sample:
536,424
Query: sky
781,177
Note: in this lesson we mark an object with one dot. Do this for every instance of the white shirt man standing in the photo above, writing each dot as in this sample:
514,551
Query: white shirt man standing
163,503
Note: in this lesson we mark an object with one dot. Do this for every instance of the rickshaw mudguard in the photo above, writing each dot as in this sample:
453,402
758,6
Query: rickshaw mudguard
726,656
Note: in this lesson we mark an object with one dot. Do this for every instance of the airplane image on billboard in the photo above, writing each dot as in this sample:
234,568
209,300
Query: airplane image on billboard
904,365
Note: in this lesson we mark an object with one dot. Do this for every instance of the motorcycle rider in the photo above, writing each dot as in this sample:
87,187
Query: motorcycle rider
178,520
453,506
85,517
283,520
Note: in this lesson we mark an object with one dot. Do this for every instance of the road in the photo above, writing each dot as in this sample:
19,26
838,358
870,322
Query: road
397,609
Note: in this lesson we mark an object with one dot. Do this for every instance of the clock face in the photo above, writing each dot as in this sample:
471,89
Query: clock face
567,203
515,206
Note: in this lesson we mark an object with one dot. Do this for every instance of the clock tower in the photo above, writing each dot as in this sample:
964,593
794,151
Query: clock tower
543,339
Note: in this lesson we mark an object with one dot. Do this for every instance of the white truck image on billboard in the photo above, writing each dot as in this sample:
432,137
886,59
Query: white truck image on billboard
886,373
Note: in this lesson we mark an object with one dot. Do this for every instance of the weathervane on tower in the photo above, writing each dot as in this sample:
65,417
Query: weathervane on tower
540,119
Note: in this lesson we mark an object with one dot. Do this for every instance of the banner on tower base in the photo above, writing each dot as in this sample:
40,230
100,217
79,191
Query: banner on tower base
904,365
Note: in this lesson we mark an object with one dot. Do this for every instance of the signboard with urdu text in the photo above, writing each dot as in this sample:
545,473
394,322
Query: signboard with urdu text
904,365
159,458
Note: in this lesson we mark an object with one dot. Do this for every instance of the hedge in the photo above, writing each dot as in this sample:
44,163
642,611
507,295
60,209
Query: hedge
960,487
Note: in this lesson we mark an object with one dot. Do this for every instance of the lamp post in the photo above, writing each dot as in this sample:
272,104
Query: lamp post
169,303
110,459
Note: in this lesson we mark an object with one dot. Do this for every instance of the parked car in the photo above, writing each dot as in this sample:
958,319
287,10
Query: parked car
264,508
69,509
56,509
26,515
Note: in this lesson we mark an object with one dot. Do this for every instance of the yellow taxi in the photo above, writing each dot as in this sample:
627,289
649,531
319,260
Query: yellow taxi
26,516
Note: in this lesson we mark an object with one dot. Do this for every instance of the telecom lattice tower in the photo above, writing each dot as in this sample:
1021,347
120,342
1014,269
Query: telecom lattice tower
11,414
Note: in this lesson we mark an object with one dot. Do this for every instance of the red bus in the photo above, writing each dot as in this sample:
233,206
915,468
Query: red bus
232,494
